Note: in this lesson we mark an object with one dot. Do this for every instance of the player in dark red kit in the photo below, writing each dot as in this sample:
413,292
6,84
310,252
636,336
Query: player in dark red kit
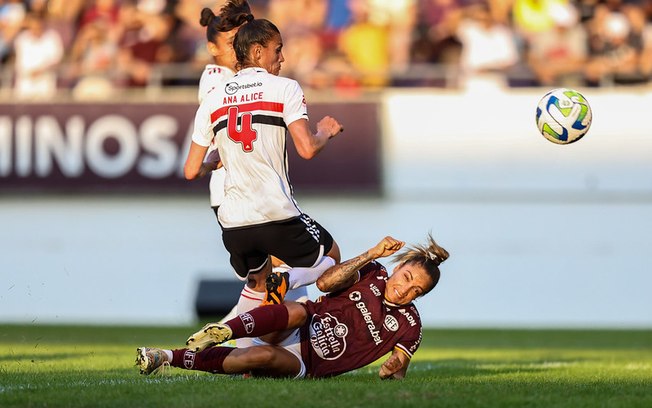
366,315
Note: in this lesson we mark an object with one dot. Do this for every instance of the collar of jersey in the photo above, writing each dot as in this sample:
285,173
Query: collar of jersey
388,303
219,66
250,70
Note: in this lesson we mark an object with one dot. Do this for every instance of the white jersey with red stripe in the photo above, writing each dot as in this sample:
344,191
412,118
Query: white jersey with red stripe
247,119
214,76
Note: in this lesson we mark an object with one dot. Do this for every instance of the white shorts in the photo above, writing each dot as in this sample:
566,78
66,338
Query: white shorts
216,187
292,343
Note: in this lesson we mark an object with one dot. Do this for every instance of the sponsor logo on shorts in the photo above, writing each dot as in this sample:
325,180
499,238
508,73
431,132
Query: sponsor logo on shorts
311,226
248,322
189,359
391,323
328,336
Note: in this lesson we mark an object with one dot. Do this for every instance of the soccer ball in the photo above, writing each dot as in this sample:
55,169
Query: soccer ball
563,116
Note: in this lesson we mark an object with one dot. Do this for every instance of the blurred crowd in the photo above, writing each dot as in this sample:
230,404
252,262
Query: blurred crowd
97,47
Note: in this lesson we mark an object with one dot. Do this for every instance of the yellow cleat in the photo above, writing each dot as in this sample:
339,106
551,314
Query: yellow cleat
209,336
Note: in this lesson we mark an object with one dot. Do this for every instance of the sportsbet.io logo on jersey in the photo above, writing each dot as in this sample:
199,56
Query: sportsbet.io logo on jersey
233,87
328,336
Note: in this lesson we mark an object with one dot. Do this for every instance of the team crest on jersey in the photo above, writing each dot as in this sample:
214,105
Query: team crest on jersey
328,336
391,323
355,296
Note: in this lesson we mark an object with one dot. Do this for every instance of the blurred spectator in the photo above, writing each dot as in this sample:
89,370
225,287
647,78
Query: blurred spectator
93,60
488,47
534,16
39,51
435,40
108,11
142,42
300,22
373,63
557,56
12,13
399,18
616,47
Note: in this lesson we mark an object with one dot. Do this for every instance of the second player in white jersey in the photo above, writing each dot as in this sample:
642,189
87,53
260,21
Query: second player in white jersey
214,76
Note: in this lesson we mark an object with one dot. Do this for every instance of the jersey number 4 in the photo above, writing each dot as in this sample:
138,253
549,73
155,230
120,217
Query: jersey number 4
245,134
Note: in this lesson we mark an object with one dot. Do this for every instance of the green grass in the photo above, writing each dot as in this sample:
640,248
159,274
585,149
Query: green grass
84,366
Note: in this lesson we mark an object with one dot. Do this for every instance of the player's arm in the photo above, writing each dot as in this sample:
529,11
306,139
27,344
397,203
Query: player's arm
395,367
345,274
194,167
308,144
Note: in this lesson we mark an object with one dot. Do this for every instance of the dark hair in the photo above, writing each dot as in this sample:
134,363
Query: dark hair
428,256
233,14
257,31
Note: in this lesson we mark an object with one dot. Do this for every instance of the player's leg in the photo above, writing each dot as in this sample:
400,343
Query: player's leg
255,323
250,266
267,360
306,247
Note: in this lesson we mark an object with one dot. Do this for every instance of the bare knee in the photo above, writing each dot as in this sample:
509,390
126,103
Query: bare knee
335,253
260,356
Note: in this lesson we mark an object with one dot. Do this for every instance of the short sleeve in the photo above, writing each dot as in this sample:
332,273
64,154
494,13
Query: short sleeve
411,339
372,270
202,133
294,104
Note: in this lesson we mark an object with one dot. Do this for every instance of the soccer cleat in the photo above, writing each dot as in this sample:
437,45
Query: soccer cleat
276,286
210,335
151,360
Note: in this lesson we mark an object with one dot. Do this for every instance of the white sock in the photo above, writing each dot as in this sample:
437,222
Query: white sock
297,295
168,353
233,313
249,299
306,276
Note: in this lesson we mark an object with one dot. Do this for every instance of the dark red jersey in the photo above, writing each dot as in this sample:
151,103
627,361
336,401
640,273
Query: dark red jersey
350,329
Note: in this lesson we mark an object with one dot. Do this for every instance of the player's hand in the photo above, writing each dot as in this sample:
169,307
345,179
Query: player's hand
329,126
386,247
213,157
390,367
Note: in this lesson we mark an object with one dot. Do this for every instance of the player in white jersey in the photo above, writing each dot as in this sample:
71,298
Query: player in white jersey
247,119
220,31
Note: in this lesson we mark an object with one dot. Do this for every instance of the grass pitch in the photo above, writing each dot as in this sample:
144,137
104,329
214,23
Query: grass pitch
81,366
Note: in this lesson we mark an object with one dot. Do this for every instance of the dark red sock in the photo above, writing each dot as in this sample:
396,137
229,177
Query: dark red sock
210,360
259,321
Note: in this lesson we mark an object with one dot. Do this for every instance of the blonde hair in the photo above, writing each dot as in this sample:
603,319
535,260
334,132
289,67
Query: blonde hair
429,256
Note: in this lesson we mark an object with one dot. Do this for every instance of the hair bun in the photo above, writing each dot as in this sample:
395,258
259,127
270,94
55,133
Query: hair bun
207,16
249,17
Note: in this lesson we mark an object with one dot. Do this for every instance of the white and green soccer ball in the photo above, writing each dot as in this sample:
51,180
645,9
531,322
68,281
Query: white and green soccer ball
563,116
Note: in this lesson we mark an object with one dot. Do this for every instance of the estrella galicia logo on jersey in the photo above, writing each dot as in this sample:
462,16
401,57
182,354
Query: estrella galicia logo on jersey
233,87
391,323
355,296
189,359
328,336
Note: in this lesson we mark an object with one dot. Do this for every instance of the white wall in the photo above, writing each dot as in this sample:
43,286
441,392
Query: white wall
539,234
